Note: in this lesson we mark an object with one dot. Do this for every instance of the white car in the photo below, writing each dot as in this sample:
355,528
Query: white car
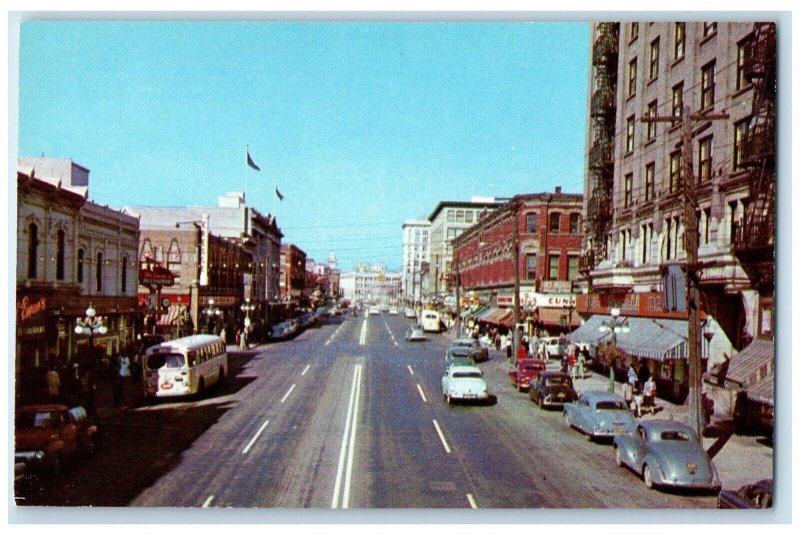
393,311
464,382
409,313
374,311
415,334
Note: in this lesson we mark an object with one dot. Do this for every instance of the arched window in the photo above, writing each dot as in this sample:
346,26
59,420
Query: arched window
81,260
124,274
60,253
33,250
98,282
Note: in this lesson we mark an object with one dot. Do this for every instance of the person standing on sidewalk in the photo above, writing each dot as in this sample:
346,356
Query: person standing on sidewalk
53,382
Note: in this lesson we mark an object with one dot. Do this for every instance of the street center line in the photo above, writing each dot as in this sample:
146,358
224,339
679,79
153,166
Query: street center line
343,449
441,436
410,370
421,393
306,369
472,501
253,440
363,340
286,395
208,501
350,455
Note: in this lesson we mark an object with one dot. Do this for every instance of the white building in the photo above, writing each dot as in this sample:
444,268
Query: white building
371,283
416,250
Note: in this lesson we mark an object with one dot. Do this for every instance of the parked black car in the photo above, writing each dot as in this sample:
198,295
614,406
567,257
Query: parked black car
552,389
753,496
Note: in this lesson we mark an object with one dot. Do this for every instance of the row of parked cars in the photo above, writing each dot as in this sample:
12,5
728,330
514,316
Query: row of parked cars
288,328
664,453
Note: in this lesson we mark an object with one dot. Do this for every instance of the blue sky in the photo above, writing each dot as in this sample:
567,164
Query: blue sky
360,125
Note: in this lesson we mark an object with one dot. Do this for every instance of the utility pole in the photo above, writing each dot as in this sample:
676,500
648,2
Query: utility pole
690,245
458,297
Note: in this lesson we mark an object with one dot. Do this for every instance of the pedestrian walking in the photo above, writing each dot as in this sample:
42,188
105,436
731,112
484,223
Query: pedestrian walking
223,335
564,363
238,339
243,340
649,392
53,382
581,365
632,378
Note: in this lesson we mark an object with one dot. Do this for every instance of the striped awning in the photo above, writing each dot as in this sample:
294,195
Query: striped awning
752,362
650,338
763,391
497,316
172,315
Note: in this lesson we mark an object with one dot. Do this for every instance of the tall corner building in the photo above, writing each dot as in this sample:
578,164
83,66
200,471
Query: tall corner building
724,75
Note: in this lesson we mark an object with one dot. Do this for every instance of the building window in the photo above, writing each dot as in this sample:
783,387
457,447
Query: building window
572,268
630,134
628,190
624,243
460,216
555,222
451,216
632,77
668,238
654,46
704,158
680,40
552,272
649,181
652,110
124,275
709,28
739,133
574,223
530,222
707,86
647,232
468,216
674,171
33,250
741,53
60,254
634,31
98,275
81,256
707,224
677,100
530,267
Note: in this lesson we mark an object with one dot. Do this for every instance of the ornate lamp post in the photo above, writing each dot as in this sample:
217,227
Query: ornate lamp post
614,326
90,325
247,307
210,312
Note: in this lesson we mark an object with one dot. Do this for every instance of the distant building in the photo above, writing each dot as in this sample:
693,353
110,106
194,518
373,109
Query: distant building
416,256
293,274
448,220
371,283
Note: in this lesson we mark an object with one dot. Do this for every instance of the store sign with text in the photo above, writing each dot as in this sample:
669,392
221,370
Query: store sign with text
536,299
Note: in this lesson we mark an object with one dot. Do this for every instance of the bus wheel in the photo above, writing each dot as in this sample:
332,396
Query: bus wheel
201,387
221,375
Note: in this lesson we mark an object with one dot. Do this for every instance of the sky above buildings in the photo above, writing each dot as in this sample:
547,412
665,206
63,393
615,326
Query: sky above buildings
361,126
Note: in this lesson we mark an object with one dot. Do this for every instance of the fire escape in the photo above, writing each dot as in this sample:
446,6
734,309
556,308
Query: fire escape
601,154
754,239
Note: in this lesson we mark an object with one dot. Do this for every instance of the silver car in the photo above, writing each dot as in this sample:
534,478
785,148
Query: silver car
667,453
464,382
415,334
600,415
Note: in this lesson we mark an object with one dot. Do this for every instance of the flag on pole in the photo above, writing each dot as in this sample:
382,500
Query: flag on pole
278,193
251,163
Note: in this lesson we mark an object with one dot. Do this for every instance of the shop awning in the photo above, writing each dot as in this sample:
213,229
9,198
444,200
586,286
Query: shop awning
650,338
497,316
171,316
763,392
752,362
554,316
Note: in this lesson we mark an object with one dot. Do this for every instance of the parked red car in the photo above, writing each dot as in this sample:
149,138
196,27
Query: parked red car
47,435
526,371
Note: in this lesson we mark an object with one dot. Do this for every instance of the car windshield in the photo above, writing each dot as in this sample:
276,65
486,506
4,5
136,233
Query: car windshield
38,420
675,435
611,406
557,381
166,360
467,375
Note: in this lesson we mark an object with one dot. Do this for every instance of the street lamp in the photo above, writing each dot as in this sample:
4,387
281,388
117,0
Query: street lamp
211,311
614,326
90,325
247,308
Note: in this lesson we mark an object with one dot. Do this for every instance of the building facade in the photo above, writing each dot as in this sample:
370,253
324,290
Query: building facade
548,239
646,79
416,255
72,255
371,283
293,274
447,221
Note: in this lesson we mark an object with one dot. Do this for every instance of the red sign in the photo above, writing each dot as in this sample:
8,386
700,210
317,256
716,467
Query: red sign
647,304
156,275
28,309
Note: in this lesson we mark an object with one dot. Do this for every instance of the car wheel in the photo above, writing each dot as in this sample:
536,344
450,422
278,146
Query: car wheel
201,388
449,399
221,375
647,475
618,456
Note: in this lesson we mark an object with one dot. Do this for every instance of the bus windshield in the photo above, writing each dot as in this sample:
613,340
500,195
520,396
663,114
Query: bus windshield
166,360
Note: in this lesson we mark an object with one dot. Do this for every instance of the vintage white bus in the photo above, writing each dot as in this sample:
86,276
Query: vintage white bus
431,321
184,366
